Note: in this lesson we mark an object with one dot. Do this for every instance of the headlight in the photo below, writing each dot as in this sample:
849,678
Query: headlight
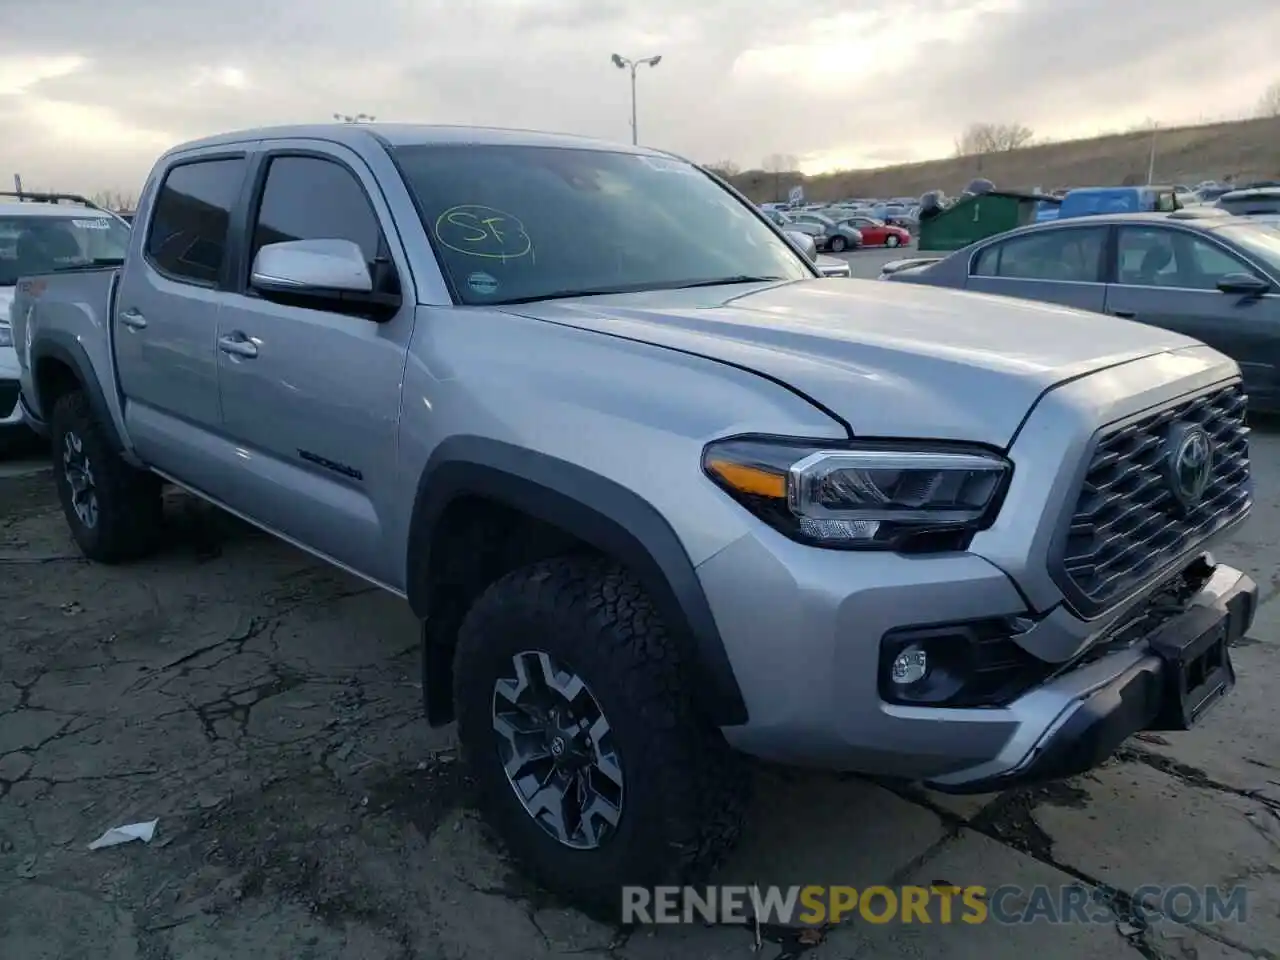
6,334
877,495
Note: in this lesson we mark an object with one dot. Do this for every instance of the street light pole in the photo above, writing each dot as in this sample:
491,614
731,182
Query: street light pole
626,63
1151,162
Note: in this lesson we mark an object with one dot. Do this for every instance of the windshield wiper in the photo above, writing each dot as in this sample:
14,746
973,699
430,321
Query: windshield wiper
579,292
725,281
631,288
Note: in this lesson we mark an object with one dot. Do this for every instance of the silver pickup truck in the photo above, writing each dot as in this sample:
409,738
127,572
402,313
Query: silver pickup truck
659,500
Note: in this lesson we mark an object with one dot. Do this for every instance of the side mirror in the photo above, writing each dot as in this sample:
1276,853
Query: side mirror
320,274
804,243
1243,284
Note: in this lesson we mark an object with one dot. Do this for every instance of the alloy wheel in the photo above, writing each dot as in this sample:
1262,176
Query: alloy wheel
78,472
557,750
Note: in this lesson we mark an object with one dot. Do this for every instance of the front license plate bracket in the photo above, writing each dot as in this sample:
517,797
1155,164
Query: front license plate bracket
1197,666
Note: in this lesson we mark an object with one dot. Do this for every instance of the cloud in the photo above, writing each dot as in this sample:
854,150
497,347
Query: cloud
90,92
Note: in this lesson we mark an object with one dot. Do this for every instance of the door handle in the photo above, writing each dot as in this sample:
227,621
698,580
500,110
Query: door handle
1124,314
132,319
238,345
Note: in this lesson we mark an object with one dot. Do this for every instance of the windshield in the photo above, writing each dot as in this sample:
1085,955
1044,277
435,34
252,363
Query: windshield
41,243
529,223
1259,239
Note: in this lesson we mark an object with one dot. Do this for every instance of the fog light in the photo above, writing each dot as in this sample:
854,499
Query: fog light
910,666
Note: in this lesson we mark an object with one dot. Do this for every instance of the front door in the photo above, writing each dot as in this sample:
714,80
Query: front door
315,408
166,319
1168,277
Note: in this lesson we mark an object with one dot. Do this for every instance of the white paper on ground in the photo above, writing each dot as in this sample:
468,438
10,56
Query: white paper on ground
129,832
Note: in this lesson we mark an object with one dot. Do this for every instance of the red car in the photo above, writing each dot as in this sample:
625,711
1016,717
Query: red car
877,233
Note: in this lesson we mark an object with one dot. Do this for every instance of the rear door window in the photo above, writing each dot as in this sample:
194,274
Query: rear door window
1071,255
187,239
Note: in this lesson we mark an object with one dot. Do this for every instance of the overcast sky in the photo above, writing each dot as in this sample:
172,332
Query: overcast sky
92,90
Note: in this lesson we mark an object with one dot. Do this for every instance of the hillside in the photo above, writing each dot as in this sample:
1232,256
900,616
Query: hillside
1245,149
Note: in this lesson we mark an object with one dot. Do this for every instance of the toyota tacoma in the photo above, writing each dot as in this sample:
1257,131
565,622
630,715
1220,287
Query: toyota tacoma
660,500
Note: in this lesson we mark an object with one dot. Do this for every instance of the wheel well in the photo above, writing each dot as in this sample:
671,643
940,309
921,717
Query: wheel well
475,542
54,379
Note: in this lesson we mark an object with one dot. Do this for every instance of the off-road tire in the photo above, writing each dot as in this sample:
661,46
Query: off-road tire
686,791
130,512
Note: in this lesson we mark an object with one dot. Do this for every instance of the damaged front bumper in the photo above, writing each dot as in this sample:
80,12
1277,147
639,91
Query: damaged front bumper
1166,680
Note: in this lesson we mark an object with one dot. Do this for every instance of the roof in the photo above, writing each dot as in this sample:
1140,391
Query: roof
1207,221
1252,193
412,134
16,209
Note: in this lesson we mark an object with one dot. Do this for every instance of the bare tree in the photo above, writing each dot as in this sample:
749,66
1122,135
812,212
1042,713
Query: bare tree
980,138
724,168
1269,102
115,200
778,164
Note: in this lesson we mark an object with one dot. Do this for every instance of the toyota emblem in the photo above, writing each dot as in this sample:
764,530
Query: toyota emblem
1189,463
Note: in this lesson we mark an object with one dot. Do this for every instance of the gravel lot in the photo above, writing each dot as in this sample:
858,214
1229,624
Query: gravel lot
266,710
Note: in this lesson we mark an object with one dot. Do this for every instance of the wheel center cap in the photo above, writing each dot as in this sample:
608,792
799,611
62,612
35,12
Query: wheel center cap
557,747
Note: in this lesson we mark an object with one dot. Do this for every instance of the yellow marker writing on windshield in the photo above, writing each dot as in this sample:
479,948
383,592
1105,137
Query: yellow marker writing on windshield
480,231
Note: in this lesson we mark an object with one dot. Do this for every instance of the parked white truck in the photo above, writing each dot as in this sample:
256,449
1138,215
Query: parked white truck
42,232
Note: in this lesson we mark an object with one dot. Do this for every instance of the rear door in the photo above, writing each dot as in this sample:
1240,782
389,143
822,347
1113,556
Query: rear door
1168,277
166,316
1062,264
315,409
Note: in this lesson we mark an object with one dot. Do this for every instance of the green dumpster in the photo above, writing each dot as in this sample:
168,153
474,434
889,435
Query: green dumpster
978,216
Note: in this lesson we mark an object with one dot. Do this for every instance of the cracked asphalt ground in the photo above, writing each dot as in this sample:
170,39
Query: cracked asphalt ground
266,710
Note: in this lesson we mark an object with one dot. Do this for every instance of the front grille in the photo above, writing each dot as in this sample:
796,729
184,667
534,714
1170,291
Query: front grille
1128,527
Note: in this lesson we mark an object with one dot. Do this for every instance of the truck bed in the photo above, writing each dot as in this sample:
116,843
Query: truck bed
70,310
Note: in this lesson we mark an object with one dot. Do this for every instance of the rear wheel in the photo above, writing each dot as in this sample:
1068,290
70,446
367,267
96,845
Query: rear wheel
114,511
576,719
891,241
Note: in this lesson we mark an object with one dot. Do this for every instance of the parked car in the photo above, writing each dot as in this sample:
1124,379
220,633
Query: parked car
827,234
1213,278
833,267
659,500
1212,192
40,233
1251,201
877,233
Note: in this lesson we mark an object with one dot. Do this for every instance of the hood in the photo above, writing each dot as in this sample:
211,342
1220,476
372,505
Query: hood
894,267
892,360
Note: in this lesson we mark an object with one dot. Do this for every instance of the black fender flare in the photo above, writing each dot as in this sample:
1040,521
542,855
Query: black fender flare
599,512
63,347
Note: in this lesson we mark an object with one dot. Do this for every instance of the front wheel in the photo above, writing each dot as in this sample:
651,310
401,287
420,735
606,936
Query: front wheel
838,244
575,716
891,241
114,511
